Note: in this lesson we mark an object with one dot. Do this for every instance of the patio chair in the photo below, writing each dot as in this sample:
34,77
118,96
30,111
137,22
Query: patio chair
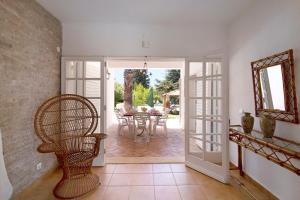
123,121
66,126
161,121
142,121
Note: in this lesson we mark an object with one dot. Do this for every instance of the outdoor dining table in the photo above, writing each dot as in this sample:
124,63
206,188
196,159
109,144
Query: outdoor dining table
152,114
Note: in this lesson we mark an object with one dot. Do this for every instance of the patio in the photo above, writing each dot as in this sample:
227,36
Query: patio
122,148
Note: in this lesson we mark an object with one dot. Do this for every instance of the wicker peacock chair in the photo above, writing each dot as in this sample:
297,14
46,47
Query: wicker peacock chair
66,125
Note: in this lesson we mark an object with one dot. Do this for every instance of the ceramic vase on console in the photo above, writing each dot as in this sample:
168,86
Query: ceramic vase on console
267,126
247,122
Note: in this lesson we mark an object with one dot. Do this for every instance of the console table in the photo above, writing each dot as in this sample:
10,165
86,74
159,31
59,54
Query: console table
278,150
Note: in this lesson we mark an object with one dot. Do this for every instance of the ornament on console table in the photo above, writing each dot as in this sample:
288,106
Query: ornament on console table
267,126
247,122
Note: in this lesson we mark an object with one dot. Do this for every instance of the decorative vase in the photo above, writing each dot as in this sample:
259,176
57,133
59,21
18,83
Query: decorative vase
267,126
247,122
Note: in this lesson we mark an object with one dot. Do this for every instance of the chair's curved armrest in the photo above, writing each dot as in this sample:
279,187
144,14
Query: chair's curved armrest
99,137
47,148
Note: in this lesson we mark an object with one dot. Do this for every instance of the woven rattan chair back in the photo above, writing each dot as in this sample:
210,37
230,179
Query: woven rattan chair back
65,116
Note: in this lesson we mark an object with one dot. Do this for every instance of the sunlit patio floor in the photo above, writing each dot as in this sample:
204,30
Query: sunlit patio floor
161,148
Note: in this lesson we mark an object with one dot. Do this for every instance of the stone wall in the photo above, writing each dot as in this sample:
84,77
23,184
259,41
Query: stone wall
29,74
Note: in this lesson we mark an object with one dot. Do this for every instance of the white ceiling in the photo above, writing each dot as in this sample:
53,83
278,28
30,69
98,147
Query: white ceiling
147,11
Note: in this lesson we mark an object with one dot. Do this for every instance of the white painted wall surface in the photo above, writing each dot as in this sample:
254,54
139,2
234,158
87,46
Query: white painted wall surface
6,188
269,27
126,39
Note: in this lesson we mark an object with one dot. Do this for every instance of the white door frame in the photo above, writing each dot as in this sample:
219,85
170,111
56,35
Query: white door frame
220,173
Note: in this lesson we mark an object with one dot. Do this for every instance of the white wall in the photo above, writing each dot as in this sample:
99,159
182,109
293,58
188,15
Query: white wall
269,27
125,39
110,96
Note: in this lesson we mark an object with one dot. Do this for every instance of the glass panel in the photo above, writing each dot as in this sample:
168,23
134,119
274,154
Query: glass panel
196,88
196,69
196,107
74,68
213,68
92,88
70,69
213,127
70,86
213,142
79,69
92,69
80,87
196,126
213,106
96,103
98,130
196,147
276,141
213,88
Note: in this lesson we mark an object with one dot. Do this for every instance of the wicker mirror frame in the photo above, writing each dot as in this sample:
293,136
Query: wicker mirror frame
286,60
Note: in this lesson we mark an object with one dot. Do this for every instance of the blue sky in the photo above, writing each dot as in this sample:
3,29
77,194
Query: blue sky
156,74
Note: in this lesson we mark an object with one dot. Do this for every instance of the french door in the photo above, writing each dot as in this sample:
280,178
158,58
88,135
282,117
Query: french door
86,77
206,129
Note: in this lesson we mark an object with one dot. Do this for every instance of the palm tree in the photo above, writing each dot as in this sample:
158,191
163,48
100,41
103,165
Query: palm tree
128,86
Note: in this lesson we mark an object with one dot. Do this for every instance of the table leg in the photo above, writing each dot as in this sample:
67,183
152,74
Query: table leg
240,160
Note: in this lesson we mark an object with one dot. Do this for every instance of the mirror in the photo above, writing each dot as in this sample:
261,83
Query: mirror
272,90
274,87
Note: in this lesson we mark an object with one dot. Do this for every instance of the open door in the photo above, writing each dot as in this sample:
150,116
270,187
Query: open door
86,77
206,131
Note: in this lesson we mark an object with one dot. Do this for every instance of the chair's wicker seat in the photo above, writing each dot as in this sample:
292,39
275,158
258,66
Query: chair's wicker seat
79,157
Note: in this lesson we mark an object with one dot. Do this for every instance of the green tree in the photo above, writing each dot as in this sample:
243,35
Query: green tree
140,95
119,91
141,76
173,75
171,82
157,97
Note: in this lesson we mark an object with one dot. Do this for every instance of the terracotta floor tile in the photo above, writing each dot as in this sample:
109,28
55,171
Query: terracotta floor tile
180,168
142,193
116,193
108,168
166,193
98,194
134,168
141,179
221,192
191,192
161,168
104,178
120,180
185,179
164,179
203,179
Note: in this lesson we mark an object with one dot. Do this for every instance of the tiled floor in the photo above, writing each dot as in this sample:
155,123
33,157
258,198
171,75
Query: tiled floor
145,182
159,145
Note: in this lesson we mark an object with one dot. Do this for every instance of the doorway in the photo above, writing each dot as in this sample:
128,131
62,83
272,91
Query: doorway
151,75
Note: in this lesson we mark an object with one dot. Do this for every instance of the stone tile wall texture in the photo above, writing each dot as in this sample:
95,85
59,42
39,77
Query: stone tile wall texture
29,74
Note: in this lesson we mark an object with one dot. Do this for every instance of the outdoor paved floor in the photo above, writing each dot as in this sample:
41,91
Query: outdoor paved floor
159,145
